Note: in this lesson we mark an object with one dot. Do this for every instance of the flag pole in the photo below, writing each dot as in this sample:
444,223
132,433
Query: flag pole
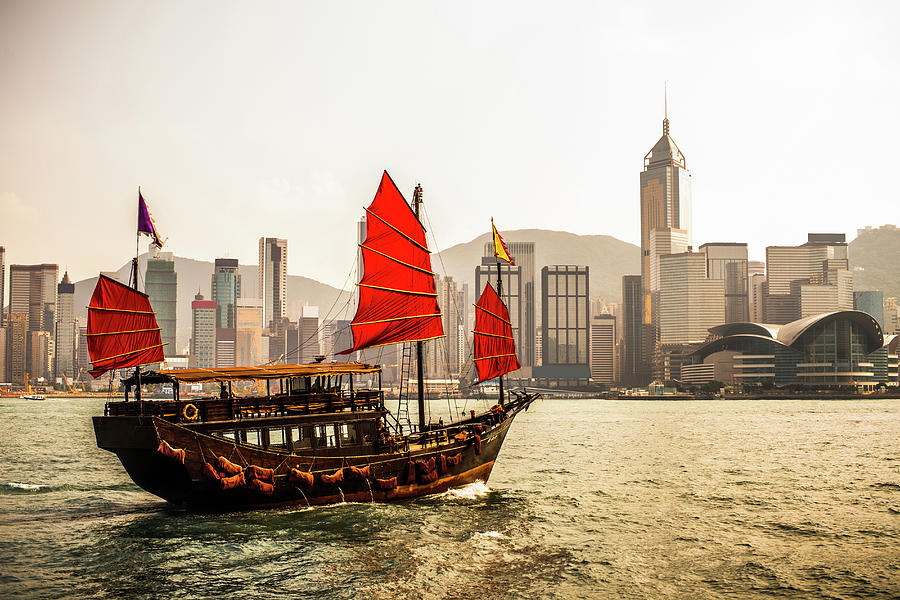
137,245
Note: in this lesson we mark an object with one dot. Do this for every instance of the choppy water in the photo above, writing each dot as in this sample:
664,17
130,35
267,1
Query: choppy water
589,499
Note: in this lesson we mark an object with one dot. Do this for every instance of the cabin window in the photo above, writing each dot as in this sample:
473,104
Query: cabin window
302,437
366,430
347,433
276,437
325,436
252,437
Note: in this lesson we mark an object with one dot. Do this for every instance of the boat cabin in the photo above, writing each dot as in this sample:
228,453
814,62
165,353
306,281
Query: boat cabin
288,408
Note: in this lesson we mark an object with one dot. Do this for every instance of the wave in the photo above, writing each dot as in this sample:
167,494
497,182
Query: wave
469,491
17,487
26,487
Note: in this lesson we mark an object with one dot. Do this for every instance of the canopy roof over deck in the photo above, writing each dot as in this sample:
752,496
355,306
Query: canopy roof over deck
251,373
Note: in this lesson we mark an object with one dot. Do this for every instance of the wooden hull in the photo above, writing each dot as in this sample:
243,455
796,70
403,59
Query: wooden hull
136,439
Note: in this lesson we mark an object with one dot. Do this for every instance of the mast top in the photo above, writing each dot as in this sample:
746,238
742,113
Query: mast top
417,198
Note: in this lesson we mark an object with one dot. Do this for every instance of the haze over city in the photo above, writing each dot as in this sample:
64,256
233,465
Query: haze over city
239,124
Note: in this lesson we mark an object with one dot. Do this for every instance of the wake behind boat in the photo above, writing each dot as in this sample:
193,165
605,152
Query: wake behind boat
320,433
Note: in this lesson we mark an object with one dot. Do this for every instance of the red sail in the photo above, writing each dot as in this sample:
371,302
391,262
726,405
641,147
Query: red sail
121,330
495,348
397,297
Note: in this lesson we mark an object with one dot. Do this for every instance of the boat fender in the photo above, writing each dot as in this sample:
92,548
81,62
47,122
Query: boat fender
190,412
442,465
425,466
209,472
454,460
226,466
360,473
261,486
386,484
169,452
254,472
410,472
478,429
334,478
477,444
297,476
235,481
429,477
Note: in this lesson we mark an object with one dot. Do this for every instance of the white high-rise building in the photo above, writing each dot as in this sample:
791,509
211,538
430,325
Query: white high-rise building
603,348
689,302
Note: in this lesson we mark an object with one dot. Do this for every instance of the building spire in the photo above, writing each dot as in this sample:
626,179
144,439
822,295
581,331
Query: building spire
665,109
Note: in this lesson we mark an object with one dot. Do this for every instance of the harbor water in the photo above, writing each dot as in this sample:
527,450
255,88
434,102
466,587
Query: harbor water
588,499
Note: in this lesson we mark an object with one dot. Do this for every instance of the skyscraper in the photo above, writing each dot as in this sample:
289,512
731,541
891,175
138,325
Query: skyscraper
728,261
273,280
161,285
808,279
226,289
2,283
16,347
66,334
203,333
566,309
633,370
690,302
522,254
512,296
309,340
872,302
665,204
603,348
32,293
248,333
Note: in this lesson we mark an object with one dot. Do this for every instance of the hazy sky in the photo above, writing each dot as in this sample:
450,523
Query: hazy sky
242,120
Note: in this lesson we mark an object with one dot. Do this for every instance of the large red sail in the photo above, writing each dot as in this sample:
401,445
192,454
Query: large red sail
397,297
495,348
121,330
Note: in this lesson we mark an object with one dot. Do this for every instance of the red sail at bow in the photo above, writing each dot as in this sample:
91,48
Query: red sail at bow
397,297
121,330
495,348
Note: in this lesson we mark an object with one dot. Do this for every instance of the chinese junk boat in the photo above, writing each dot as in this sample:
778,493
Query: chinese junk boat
314,434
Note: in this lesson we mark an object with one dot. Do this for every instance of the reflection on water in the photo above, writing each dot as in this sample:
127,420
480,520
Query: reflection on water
588,499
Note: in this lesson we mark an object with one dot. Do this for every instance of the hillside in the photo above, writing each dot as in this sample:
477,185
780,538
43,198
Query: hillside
194,275
608,258
874,260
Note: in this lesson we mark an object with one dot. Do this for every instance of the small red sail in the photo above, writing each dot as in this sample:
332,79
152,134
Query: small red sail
121,330
495,348
397,297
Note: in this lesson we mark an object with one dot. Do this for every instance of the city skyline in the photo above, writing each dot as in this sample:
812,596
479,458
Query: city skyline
488,124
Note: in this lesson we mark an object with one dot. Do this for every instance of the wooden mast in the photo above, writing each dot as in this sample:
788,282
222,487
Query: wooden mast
420,368
134,278
500,293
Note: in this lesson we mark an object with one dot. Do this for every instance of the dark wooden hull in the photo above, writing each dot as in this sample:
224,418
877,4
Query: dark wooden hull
135,440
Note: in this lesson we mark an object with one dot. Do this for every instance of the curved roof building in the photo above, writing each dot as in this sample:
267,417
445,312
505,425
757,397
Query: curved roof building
835,348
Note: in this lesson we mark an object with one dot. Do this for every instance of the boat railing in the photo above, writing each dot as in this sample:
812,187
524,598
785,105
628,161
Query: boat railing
237,408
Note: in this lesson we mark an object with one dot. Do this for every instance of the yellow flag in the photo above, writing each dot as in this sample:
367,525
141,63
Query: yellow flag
500,249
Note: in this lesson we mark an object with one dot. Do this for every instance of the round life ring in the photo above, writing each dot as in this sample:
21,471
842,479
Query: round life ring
190,412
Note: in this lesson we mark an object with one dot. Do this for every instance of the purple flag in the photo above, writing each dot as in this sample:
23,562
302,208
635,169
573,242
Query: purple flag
145,221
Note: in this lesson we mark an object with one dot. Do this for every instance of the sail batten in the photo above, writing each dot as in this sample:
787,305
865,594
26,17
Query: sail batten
122,330
397,294
495,347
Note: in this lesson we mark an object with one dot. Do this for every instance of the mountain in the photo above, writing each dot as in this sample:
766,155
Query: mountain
608,258
873,258
194,275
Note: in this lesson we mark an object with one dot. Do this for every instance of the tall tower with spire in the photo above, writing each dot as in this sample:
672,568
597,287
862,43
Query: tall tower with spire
665,220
